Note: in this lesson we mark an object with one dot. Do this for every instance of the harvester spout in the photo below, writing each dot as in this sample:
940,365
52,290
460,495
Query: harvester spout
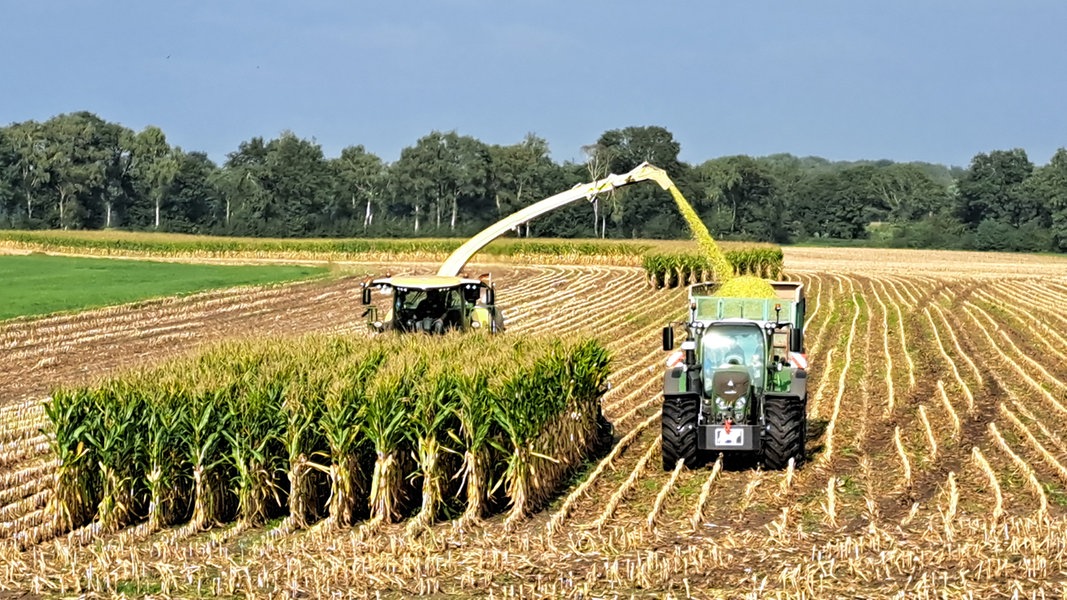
643,172
649,172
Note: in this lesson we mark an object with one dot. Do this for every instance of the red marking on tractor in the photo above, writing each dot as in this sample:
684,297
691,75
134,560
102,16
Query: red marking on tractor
675,359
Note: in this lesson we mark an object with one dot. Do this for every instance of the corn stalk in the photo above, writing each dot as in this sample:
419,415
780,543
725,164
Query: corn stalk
340,425
76,480
384,420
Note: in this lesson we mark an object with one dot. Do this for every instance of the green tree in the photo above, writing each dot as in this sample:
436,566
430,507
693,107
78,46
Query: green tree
831,205
743,197
31,166
442,174
8,173
1049,183
77,149
153,165
575,220
522,174
298,183
360,179
907,192
992,188
643,210
191,194
244,208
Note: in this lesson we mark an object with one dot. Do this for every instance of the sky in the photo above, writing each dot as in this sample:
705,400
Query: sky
909,80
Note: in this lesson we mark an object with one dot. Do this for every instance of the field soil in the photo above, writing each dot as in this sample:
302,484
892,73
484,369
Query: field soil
936,460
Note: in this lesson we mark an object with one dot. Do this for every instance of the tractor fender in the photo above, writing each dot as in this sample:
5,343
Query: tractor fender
674,381
798,384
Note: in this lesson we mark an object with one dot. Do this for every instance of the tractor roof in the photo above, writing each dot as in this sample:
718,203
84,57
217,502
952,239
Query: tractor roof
425,282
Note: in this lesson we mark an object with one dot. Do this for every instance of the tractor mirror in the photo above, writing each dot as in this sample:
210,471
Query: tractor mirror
490,296
668,338
366,295
796,340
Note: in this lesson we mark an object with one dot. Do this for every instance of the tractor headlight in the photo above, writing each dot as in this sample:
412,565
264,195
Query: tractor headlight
475,325
737,405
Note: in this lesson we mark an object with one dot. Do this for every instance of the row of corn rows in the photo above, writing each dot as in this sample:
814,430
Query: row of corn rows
330,427
755,259
678,269
323,249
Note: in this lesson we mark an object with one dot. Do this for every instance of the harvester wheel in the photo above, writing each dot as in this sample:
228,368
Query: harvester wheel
679,430
786,429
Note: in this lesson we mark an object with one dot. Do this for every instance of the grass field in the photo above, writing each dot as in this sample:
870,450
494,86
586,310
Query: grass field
37,284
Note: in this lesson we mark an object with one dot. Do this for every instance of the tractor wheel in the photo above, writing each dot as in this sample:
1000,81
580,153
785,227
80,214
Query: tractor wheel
679,430
786,428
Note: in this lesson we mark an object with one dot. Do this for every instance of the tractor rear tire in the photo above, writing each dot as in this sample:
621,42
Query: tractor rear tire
679,419
786,430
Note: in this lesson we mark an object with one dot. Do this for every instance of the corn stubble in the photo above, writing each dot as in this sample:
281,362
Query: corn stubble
330,430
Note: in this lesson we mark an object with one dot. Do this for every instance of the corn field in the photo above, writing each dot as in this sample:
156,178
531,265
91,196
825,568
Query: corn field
937,462
747,258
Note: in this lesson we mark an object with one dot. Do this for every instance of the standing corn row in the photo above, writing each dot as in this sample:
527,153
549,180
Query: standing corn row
329,427
678,269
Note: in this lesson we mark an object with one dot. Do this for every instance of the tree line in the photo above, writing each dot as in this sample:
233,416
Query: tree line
78,171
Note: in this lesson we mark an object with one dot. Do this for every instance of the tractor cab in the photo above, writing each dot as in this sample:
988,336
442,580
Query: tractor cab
732,367
433,304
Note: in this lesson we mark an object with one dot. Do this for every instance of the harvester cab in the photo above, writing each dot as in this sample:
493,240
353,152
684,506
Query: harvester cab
434,304
739,382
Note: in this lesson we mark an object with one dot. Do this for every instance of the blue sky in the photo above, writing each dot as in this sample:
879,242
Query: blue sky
933,80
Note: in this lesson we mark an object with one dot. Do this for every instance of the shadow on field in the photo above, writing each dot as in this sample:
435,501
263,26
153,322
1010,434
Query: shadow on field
746,462
816,427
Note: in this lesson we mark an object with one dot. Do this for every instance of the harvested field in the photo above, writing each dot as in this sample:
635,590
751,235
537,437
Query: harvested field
937,458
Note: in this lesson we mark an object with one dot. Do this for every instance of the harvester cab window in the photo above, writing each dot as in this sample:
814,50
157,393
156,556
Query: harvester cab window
433,305
406,301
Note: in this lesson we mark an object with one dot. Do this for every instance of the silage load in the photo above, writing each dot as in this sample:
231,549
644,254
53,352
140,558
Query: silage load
746,287
724,271
733,286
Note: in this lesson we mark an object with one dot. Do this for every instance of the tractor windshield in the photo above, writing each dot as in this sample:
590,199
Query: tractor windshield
732,346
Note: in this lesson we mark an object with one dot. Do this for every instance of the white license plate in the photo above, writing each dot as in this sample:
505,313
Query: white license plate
735,437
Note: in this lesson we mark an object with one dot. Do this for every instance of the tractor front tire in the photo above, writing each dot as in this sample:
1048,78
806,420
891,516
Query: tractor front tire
679,430
786,429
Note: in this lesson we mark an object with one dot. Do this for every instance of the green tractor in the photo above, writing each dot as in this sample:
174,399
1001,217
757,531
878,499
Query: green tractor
738,385
434,304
